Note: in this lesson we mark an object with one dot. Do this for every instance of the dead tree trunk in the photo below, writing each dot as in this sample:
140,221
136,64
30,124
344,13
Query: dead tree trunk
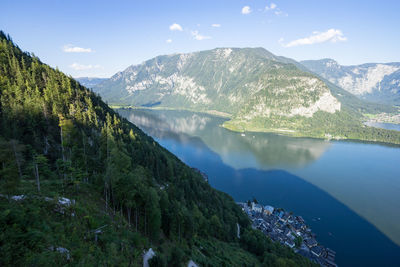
62,150
179,227
136,218
85,157
36,171
145,222
106,195
128,211
16,158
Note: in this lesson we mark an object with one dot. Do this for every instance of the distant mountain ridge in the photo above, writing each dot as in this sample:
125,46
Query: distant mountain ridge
379,82
257,90
222,79
90,82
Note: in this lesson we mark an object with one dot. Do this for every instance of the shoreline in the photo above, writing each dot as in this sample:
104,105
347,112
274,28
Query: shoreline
284,132
297,134
215,113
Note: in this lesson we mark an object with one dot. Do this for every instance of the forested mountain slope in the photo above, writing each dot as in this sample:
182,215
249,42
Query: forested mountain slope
80,185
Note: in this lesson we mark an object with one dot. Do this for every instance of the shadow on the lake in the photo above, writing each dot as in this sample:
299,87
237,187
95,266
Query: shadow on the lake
356,241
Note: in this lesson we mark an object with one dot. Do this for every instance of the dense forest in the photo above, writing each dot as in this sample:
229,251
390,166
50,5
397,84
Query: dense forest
80,185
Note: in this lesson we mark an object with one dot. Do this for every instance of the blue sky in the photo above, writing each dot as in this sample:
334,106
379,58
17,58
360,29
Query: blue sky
100,38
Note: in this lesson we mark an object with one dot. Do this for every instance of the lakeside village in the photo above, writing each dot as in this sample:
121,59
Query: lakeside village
283,227
290,230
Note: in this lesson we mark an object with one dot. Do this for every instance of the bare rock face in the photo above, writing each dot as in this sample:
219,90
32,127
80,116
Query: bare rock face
373,81
326,103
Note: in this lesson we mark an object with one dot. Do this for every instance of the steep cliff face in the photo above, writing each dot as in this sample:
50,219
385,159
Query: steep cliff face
373,81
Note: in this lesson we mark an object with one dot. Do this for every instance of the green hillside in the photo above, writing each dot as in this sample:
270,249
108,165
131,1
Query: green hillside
79,185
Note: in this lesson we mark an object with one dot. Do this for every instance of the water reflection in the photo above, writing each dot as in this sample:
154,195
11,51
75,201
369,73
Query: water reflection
364,177
251,150
331,173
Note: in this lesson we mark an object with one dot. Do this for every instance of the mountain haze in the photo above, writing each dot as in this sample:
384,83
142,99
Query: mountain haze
89,82
379,82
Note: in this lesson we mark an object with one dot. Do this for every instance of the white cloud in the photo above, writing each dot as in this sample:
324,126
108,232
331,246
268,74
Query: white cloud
77,66
175,27
75,49
331,35
246,10
277,11
216,25
169,41
197,36
272,6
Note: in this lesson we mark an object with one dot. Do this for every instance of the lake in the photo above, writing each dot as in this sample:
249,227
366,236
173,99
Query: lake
348,192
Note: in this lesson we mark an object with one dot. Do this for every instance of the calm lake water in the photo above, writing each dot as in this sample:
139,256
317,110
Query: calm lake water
348,192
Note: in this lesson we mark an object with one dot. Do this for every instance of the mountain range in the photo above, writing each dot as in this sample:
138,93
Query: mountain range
90,82
257,90
226,80
378,82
